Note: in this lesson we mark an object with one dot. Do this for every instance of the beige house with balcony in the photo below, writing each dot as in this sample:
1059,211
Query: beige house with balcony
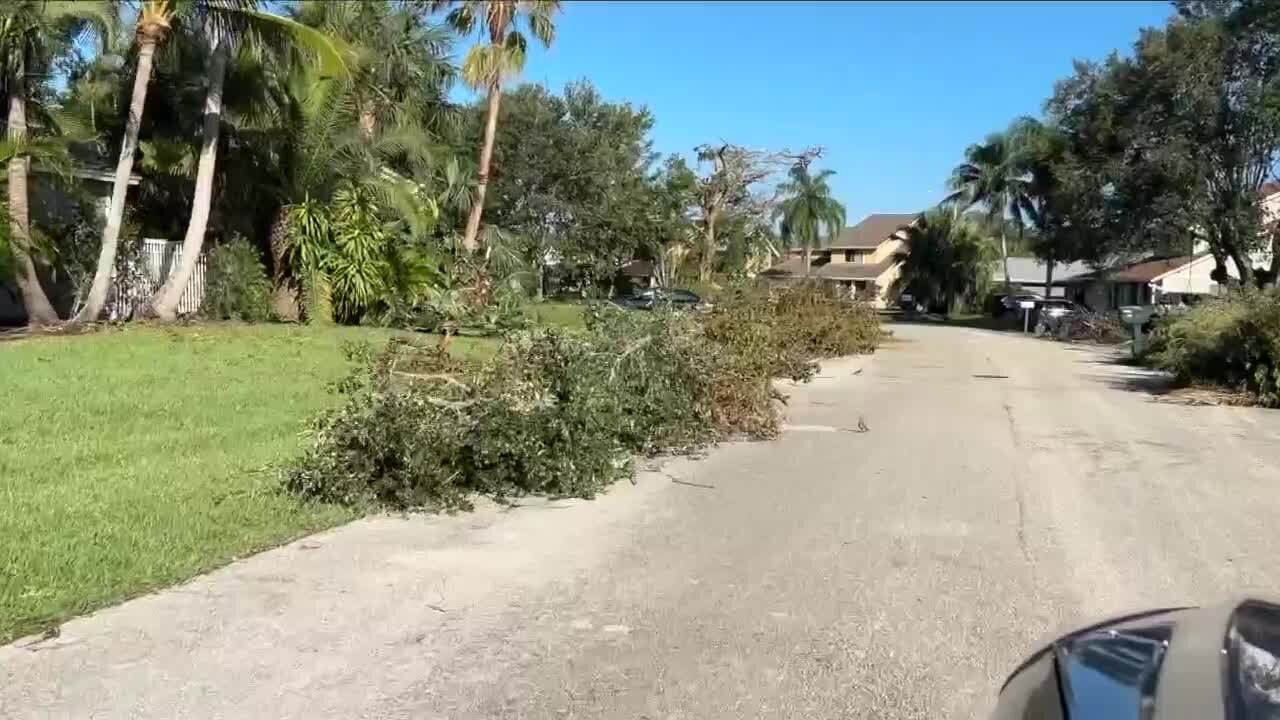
860,259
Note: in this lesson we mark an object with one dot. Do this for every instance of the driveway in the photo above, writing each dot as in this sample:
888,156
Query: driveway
1006,486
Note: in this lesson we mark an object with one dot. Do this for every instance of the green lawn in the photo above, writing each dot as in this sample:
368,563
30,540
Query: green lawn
130,460
558,313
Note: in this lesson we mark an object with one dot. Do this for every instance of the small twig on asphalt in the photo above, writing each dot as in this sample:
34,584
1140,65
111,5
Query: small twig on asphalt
693,484
437,608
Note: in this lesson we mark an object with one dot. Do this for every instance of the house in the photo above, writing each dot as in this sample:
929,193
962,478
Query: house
861,259
1028,273
1146,282
637,274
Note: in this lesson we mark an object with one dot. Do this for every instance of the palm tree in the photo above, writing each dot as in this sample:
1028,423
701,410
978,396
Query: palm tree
807,208
221,25
500,54
992,175
946,259
31,33
1041,149
155,20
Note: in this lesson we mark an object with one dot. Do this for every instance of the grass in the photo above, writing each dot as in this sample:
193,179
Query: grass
558,313
134,459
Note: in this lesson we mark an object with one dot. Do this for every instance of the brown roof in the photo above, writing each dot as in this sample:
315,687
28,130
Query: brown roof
1139,272
853,271
829,271
794,266
637,269
1148,270
873,230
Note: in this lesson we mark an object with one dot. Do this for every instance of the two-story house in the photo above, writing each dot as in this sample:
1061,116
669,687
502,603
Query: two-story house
861,259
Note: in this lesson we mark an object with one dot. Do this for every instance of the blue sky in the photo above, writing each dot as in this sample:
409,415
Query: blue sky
893,91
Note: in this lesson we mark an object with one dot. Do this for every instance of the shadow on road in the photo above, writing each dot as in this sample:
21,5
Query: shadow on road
1117,370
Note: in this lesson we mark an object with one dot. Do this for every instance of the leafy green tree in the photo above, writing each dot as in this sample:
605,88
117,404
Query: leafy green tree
572,178
32,34
499,55
807,208
947,260
1172,144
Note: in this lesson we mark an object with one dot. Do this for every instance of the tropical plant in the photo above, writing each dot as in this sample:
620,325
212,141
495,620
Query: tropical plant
376,129
32,34
947,260
499,55
221,26
993,176
807,209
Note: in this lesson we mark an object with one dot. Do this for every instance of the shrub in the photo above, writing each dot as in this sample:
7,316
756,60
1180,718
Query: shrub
237,286
1232,342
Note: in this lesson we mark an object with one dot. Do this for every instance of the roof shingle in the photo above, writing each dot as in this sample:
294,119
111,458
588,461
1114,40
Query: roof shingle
873,230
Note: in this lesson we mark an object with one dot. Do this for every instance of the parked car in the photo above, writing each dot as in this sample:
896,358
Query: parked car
649,298
1005,304
1049,314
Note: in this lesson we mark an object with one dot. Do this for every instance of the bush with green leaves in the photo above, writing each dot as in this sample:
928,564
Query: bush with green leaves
237,287
1232,342
559,412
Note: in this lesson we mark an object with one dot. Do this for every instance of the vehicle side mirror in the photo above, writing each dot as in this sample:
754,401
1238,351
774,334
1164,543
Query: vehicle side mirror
1169,664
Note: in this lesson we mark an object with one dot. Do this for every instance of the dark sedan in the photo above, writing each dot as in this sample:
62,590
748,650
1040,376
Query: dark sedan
649,298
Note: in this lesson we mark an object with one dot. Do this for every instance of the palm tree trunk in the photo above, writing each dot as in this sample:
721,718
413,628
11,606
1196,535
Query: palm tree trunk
1004,255
120,189
470,239
165,303
1048,277
808,259
39,310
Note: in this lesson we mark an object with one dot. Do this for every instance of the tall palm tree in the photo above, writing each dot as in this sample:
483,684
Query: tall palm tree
499,55
946,259
155,20
31,33
223,26
1041,149
807,208
992,175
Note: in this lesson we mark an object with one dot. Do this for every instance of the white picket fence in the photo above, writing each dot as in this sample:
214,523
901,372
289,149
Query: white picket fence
159,260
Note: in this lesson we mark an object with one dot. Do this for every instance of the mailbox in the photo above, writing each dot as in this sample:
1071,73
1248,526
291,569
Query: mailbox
1135,314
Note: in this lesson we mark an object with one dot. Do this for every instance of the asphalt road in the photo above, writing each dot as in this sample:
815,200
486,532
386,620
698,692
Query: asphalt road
1007,486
